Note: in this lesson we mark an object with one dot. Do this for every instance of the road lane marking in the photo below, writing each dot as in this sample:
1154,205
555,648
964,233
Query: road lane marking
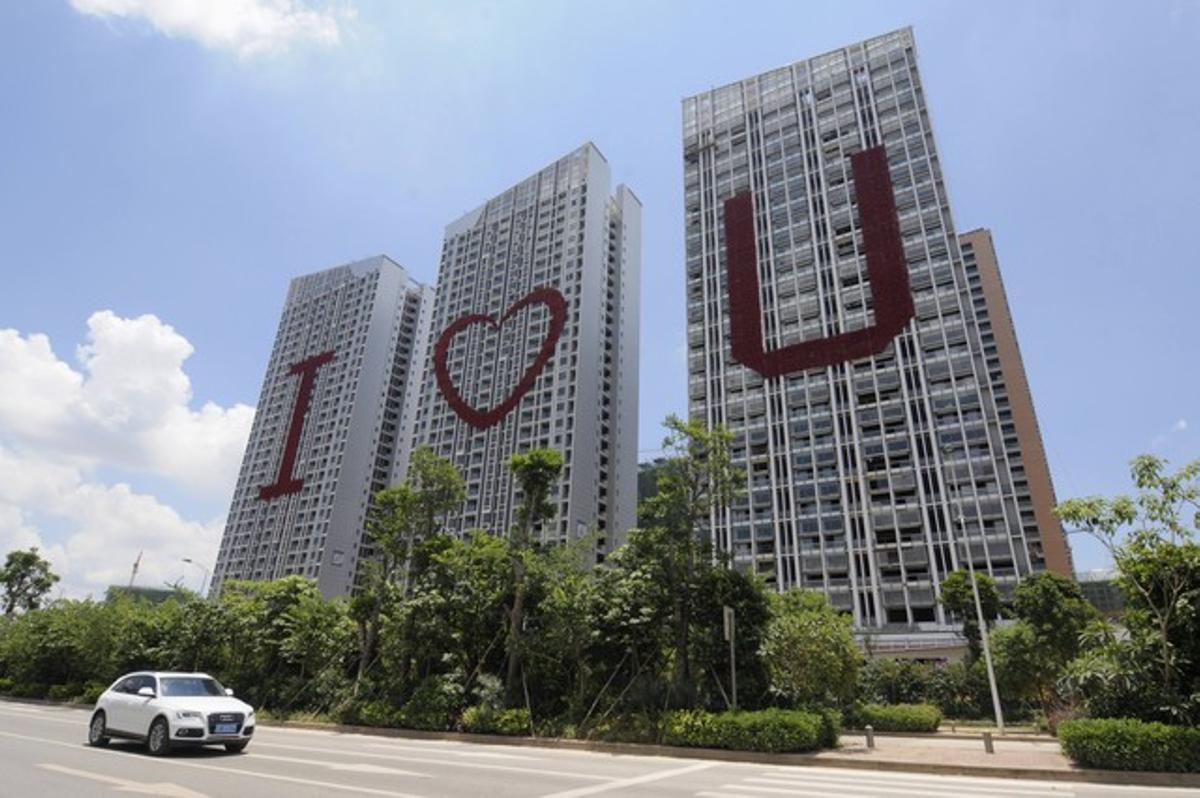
162,789
360,767
229,770
453,763
42,717
456,750
806,794
857,776
930,787
620,783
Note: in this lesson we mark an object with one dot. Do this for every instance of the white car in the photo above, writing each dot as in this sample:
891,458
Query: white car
171,709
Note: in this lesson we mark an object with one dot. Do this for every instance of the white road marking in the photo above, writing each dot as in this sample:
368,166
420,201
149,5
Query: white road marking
227,770
458,748
619,783
162,789
804,794
36,715
453,763
930,787
360,767
857,776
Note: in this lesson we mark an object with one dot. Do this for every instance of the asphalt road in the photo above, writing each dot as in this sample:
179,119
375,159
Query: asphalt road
42,753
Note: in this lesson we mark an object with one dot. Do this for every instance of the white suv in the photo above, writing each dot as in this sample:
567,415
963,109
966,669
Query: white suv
171,709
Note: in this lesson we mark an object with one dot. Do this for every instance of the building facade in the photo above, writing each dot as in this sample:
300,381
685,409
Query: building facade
534,343
834,327
333,426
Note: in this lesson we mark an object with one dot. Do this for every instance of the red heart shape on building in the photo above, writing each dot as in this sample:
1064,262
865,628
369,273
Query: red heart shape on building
482,419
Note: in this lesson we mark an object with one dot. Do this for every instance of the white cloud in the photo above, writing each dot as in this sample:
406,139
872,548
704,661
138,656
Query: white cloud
127,406
247,27
1180,426
108,525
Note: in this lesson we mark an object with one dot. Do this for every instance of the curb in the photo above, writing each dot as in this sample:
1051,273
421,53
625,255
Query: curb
1076,774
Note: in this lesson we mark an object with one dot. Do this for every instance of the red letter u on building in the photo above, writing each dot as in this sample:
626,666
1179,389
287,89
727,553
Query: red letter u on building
887,276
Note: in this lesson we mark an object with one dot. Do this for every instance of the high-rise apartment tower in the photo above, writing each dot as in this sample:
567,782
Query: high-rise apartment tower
534,343
838,328
333,425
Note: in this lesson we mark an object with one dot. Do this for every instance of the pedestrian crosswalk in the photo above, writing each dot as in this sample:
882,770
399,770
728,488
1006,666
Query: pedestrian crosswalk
811,781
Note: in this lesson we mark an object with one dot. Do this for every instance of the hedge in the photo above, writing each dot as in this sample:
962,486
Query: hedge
898,717
770,730
1127,744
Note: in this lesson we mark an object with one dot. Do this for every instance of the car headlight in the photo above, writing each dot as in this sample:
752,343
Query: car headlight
188,713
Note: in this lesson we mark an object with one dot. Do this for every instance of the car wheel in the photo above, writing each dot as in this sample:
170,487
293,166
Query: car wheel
236,748
96,729
158,742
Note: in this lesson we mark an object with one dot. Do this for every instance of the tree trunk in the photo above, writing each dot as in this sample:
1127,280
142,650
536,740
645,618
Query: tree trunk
516,619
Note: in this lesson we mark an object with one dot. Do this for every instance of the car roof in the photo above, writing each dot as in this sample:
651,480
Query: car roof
191,674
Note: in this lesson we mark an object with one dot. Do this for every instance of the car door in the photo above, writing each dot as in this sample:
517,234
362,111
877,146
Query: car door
142,709
119,704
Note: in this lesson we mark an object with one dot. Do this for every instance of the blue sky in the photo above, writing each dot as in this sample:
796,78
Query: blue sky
178,171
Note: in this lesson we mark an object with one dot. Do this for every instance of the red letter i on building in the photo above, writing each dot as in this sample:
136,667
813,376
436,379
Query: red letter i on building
285,483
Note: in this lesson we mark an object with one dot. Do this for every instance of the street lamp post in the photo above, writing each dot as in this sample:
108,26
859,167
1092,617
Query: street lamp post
203,579
983,631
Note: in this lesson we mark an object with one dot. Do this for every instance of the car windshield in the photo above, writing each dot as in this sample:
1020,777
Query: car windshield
191,686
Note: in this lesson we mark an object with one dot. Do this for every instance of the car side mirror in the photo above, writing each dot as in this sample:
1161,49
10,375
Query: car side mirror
228,691
146,692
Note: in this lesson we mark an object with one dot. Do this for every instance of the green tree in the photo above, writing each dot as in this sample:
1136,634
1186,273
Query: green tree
957,597
809,651
397,516
536,472
437,488
696,480
26,579
1056,611
1151,537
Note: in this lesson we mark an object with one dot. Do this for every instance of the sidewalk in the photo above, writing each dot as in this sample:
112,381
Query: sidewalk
1023,758
1023,754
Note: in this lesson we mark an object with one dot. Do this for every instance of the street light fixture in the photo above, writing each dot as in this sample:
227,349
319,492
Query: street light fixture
204,579
983,632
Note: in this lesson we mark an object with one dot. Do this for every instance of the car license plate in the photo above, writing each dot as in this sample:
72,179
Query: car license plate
226,728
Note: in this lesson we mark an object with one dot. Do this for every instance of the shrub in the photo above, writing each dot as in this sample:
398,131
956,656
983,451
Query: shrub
29,690
831,725
90,693
376,713
1127,744
6,686
898,718
65,692
434,705
632,728
485,720
894,681
770,730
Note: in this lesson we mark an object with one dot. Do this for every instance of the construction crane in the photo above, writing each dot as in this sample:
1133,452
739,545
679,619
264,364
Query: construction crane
136,563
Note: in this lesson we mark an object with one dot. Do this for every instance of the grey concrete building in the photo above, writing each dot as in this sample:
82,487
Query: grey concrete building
836,326
534,343
333,425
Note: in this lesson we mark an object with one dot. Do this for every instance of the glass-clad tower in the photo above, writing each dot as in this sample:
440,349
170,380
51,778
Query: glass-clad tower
834,328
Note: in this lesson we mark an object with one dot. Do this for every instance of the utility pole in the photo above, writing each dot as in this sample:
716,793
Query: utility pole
730,635
983,630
